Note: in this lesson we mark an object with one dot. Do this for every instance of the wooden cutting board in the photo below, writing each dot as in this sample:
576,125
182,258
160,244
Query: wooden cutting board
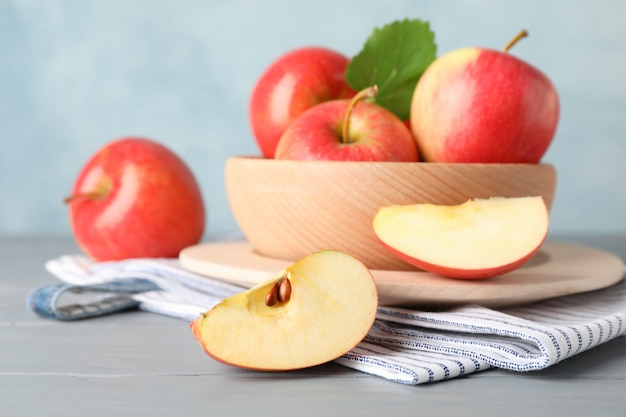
559,268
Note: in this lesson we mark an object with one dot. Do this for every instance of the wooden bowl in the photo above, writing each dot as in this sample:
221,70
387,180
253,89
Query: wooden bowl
289,209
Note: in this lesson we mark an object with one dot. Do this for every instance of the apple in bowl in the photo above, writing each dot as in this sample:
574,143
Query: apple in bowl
484,105
292,84
348,130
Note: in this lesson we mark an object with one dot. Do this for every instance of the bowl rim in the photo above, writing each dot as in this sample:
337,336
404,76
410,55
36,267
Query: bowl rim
263,160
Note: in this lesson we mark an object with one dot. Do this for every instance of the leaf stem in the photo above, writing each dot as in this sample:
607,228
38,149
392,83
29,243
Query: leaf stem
368,92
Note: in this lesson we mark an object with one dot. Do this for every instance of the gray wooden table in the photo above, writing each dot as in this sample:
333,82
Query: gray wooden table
138,363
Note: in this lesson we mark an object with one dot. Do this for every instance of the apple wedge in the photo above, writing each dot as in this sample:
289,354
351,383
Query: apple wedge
480,238
312,312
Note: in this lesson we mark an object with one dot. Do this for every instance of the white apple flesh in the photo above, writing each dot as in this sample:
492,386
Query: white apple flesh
480,238
312,312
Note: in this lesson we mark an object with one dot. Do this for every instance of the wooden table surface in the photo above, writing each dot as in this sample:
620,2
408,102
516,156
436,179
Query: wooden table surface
136,364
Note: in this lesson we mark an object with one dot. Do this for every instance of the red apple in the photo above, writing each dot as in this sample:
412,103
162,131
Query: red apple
480,238
292,84
135,198
348,130
483,105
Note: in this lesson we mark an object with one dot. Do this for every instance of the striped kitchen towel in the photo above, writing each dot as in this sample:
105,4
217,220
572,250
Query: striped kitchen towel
404,346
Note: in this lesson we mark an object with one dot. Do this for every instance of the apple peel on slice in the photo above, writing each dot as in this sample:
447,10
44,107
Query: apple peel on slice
480,238
312,312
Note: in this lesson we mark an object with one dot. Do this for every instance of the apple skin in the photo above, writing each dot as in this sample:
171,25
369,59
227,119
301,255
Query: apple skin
483,105
478,239
295,82
375,134
459,273
150,203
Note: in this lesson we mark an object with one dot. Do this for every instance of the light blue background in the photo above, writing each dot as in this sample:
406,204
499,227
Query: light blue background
77,74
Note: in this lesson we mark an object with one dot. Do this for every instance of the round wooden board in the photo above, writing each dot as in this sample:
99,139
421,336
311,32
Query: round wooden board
559,268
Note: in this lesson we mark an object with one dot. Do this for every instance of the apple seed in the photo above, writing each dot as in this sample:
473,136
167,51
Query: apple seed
272,296
284,289
280,291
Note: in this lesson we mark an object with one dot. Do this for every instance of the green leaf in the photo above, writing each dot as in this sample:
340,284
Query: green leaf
394,57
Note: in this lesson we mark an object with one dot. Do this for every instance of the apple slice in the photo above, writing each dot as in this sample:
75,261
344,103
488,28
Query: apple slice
480,238
310,313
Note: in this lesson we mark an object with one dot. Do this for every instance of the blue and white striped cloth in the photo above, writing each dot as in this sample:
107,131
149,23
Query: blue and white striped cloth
404,346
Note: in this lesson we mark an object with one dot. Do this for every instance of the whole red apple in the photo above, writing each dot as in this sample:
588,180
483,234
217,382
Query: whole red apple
135,198
348,130
293,83
484,105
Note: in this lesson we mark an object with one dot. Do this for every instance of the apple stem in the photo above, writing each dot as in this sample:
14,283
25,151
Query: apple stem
93,195
368,92
99,191
523,33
